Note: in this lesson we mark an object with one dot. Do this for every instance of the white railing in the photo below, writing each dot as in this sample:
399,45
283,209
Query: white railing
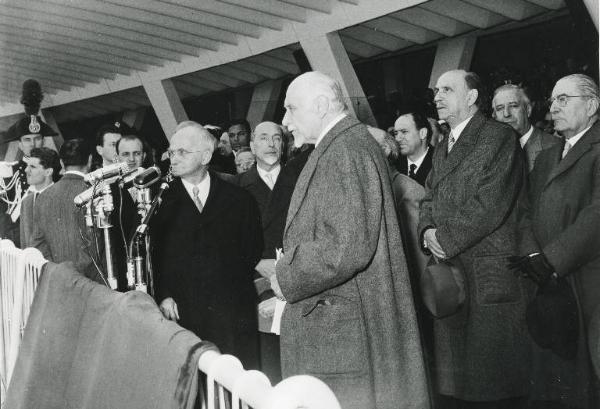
228,385
19,274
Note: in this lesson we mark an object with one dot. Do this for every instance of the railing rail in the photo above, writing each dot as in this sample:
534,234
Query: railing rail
228,385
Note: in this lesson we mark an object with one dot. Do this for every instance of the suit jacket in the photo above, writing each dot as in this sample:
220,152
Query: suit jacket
9,229
470,198
205,261
59,226
422,172
538,141
561,219
350,318
26,221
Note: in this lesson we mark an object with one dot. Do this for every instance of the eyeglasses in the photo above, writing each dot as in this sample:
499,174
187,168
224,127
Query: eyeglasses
563,99
179,152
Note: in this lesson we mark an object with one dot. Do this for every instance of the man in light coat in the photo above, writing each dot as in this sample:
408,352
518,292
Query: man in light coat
349,318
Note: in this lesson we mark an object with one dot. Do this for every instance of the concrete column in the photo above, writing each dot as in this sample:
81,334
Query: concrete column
452,54
592,8
327,54
52,142
264,102
135,118
166,104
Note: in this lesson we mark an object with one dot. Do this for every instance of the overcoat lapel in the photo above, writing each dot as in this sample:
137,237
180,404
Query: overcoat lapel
311,165
446,163
534,144
592,136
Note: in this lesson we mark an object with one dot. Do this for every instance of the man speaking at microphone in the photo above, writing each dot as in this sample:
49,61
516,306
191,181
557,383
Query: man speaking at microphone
207,239
60,232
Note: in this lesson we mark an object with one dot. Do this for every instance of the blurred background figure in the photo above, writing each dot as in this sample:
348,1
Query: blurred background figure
244,160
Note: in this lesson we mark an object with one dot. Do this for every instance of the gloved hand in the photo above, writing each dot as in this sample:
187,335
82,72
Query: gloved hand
535,266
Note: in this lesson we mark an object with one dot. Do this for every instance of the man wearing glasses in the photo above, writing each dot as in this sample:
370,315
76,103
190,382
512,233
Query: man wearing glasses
207,239
560,240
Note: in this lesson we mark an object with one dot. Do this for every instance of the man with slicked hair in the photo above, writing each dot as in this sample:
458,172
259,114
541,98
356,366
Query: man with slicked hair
512,106
560,238
207,240
349,318
468,219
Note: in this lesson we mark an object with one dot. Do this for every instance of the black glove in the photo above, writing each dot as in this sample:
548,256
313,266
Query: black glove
535,266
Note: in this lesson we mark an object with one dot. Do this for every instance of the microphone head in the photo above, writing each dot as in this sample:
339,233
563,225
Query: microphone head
147,177
113,169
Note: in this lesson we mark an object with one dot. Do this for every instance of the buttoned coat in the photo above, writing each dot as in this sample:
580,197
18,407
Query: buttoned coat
350,318
59,227
562,219
205,261
538,141
482,351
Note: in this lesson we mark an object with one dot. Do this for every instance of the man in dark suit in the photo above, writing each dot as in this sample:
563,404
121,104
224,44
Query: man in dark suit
560,235
59,231
511,105
349,318
261,181
467,217
43,166
207,240
413,132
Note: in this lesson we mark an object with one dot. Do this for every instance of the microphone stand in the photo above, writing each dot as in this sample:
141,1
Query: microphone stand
138,268
102,210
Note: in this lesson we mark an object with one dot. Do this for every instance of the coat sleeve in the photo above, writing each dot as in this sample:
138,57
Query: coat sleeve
348,201
578,243
38,239
497,190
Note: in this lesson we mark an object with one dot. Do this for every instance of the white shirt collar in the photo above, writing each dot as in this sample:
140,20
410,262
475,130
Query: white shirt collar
419,161
273,172
329,127
460,128
74,172
203,188
32,189
574,139
525,138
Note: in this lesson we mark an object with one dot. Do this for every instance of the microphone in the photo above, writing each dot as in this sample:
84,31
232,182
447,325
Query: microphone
141,229
147,177
126,182
111,170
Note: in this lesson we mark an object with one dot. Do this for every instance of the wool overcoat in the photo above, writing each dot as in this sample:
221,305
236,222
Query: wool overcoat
562,219
205,262
350,318
481,352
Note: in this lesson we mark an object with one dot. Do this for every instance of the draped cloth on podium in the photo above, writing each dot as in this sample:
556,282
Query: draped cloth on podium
86,346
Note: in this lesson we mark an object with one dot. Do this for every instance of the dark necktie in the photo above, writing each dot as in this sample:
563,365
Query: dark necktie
413,171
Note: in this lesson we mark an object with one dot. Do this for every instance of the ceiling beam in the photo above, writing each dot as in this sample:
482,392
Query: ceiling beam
27,61
382,40
263,70
400,29
219,79
322,6
444,25
242,75
21,75
465,12
274,7
199,82
549,4
270,61
512,9
359,48
188,14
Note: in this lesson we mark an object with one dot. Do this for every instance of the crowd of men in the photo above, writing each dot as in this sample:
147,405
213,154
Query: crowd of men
330,240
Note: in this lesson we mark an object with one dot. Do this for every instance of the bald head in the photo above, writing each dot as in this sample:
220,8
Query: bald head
312,101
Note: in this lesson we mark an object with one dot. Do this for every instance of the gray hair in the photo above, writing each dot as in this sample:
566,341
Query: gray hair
204,135
586,85
512,87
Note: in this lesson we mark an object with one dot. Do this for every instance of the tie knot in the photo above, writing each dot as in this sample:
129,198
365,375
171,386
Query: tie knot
195,190
566,149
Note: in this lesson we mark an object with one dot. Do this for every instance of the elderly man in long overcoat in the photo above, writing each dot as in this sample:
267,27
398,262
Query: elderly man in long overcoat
350,318
468,218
